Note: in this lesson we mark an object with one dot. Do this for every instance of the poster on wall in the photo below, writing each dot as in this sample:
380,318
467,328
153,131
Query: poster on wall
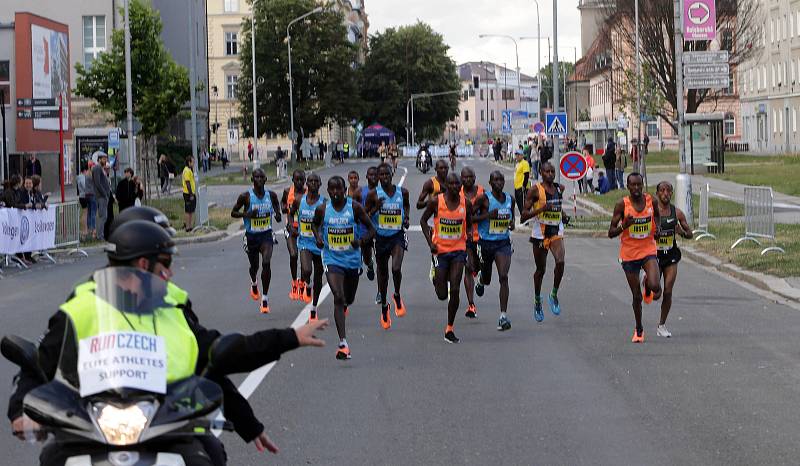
68,162
50,73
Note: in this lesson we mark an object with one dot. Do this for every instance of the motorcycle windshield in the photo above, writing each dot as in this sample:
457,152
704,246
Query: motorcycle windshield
113,343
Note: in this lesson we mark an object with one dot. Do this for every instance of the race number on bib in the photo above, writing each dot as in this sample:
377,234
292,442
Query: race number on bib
641,228
122,360
390,219
450,229
261,224
666,242
340,238
499,226
305,230
549,217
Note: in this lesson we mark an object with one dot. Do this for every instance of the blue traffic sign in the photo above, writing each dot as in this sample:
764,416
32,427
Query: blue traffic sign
556,124
538,127
113,139
506,129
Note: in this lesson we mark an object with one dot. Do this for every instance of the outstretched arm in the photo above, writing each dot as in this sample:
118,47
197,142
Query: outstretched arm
427,189
275,203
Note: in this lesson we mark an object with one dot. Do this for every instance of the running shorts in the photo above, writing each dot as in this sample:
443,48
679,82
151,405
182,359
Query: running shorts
349,273
254,241
667,258
487,250
636,265
384,245
443,261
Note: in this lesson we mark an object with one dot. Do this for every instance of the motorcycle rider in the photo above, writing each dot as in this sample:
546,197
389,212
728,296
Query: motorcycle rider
146,246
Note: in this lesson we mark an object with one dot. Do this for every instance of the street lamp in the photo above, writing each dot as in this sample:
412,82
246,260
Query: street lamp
253,79
516,52
316,10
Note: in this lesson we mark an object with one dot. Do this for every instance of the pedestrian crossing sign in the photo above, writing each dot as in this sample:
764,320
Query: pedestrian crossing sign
556,124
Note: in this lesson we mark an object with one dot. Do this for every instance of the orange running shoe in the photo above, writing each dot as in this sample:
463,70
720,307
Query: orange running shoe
264,307
254,293
472,312
638,336
346,311
307,295
386,319
343,352
399,306
647,296
293,292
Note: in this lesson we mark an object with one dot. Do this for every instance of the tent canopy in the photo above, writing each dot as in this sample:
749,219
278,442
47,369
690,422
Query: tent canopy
377,134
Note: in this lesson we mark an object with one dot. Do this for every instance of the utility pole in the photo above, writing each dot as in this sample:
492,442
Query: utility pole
253,66
556,155
683,182
193,85
128,85
638,95
5,148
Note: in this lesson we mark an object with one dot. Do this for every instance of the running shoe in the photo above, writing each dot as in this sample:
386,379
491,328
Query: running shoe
264,307
451,337
254,293
538,313
479,288
370,272
307,295
504,324
638,336
399,306
313,317
293,295
343,352
378,298
555,308
472,312
386,318
663,332
647,296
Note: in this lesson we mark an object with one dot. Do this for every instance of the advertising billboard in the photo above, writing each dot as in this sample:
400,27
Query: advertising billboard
50,75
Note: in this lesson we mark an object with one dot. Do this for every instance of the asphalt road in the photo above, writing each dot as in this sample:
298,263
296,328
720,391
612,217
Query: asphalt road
571,390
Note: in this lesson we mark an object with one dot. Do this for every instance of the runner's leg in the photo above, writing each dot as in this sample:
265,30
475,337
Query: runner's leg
382,264
540,258
350,289
471,270
398,253
455,273
440,282
336,282
318,268
559,253
503,263
266,269
653,278
291,245
636,292
670,274
253,258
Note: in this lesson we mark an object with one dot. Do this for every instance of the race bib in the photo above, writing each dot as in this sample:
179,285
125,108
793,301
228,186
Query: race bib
340,238
122,360
261,224
666,242
390,219
450,229
549,217
305,230
499,225
641,228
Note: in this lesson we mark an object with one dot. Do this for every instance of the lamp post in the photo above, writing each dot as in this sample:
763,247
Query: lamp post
516,52
128,91
291,92
253,79
215,93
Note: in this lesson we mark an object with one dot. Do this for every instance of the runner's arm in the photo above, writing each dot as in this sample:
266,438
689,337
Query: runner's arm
319,216
285,201
615,229
481,212
363,218
468,212
430,211
293,209
512,224
686,229
406,207
371,203
243,202
528,212
427,189
274,198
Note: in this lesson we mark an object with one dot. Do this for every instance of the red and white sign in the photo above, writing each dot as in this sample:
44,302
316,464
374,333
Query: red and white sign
699,20
573,166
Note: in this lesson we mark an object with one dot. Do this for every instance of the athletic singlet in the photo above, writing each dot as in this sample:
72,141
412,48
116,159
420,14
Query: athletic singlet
338,232
472,204
290,203
665,236
549,223
497,228
305,216
262,223
388,220
450,226
638,240
437,188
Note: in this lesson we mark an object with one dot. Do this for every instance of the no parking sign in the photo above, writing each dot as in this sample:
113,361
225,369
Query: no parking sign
573,166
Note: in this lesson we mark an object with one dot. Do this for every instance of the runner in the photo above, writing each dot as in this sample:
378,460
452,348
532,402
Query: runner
353,189
290,194
310,255
388,205
453,156
635,219
543,205
360,195
260,206
335,232
673,221
434,186
448,243
472,193
494,214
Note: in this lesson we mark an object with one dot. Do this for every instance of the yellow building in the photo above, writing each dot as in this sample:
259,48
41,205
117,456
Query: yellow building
224,72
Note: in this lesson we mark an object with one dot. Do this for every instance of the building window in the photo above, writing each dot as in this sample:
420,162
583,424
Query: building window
231,82
491,94
231,43
492,115
727,40
508,94
481,94
5,77
233,123
466,115
729,124
652,129
94,38
231,6
730,90
483,115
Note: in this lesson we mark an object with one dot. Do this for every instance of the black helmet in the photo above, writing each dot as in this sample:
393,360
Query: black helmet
139,238
142,213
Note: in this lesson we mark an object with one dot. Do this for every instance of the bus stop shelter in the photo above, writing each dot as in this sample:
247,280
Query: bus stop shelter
705,141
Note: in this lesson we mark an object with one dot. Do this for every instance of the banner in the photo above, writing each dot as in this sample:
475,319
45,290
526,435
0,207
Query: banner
27,230
50,73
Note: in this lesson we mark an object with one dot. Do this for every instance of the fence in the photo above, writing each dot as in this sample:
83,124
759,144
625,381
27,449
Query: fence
68,227
28,231
759,218
440,151
702,222
201,213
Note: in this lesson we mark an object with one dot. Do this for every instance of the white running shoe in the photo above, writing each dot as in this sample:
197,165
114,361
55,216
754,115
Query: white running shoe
663,332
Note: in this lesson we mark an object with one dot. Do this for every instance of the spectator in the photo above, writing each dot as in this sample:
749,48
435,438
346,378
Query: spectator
280,163
33,166
11,192
164,173
522,173
204,161
497,149
129,190
111,201
83,182
38,198
321,146
223,157
102,192
635,156
589,186
646,142
609,162
621,163
189,194
603,183
250,150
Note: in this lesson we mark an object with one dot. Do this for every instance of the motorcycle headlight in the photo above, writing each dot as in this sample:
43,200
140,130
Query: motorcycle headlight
122,425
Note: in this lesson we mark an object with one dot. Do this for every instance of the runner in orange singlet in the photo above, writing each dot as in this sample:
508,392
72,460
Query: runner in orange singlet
434,186
472,193
448,242
635,219
290,194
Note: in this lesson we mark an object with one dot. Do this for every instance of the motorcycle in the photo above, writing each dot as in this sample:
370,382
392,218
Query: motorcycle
424,160
109,402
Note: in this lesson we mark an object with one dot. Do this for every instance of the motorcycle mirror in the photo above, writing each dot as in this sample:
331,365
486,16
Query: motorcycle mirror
22,353
224,352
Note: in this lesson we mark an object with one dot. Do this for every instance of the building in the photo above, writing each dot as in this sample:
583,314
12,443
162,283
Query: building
578,96
225,19
593,13
769,83
498,89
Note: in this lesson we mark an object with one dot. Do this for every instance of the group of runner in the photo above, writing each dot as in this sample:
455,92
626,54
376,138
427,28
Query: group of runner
467,228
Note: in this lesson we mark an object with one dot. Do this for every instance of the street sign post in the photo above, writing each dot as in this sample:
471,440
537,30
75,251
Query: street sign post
574,167
706,70
113,139
705,58
538,127
699,20
712,82
556,124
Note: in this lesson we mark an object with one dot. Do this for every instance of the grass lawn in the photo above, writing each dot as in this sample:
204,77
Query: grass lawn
236,177
172,207
670,157
716,208
782,174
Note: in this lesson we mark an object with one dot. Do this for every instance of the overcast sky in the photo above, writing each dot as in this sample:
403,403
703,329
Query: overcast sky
460,22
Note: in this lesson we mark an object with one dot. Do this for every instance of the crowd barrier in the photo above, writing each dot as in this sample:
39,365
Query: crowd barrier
759,218
39,231
202,221
440,151
702,222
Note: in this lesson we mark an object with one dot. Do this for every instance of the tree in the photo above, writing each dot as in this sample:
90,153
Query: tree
160,87
323,69
565,70
405,61
739,26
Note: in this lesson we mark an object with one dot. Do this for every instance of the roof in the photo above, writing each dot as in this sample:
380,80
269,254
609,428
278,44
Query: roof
486,70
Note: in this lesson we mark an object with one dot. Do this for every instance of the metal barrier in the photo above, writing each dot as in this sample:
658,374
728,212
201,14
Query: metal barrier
759,218
68,228
702,222
440,151
201,213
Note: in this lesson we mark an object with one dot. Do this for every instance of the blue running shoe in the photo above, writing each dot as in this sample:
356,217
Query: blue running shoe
554,306
538,313
504,324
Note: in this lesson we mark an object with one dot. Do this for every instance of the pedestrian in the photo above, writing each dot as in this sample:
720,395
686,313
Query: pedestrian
522,174
163,173
32,166
206,161
189,194
250,150
223,156
129,189
101,186
646,144
111,201
609,162
603,183
620,164
81,183
345,151
280,163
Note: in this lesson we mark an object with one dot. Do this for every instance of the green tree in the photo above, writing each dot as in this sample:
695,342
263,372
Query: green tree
565,69
404,61
160,87
323,69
